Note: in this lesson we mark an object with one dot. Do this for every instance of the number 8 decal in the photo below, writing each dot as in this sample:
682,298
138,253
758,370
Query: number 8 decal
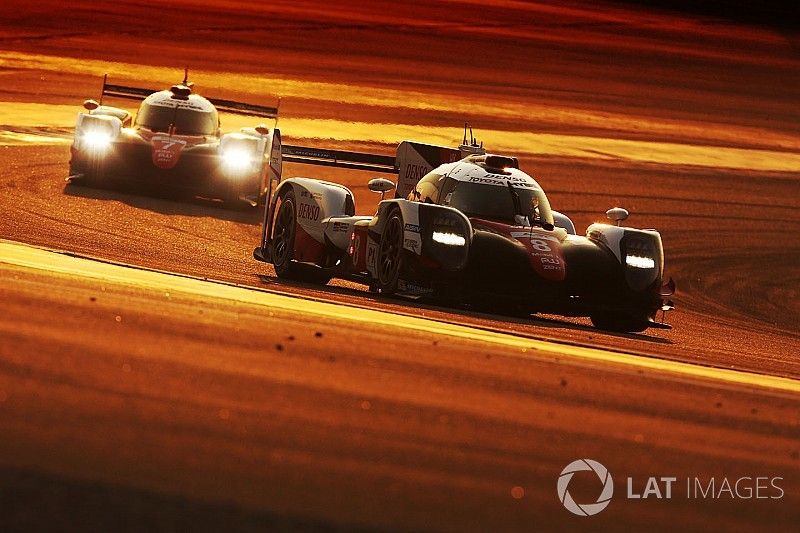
540,245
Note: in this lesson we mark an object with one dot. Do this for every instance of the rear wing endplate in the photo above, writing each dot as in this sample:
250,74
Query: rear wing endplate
225,106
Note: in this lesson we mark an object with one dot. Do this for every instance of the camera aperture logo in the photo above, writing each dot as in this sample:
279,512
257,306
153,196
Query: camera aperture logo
743,488
585,509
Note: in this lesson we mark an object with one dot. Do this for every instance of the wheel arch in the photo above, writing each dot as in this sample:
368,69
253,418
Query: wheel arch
419,223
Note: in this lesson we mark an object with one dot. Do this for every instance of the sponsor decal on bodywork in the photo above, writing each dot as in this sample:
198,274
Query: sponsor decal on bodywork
545,253
412,240
372,255
308,194
501,181
413,289
414,245
415,160
308,211
356,249
166,151
166,99
544,248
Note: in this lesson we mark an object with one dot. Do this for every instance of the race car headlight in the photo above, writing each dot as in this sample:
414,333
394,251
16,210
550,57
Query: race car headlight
448,238
638,261
643,258
97,139
237,160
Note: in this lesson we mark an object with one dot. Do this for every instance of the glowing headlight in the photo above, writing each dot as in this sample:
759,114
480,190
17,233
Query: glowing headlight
237,159
637,261
450,239
97,140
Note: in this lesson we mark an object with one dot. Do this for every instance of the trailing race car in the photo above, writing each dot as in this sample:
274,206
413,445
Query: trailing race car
174,144
470,227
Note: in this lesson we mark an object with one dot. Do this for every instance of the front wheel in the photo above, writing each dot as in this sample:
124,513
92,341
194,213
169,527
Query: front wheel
283,237
619,322
390,254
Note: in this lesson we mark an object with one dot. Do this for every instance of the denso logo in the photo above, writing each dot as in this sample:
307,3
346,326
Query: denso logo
308,211
416,172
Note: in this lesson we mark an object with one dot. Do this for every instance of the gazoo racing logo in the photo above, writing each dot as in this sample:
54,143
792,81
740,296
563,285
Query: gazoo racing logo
585,509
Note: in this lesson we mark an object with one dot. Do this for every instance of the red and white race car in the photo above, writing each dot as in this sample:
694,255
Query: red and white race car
174,144
465,226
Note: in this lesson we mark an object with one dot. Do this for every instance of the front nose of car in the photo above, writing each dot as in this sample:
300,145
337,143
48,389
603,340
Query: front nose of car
498,261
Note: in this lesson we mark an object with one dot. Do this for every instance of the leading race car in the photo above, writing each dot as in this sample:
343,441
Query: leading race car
471,227
174,144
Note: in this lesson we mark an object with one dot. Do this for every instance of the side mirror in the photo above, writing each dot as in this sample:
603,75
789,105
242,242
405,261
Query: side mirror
90,104
261,129
380,185
617,214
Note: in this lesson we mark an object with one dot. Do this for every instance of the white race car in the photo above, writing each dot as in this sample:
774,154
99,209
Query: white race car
174,144
465,226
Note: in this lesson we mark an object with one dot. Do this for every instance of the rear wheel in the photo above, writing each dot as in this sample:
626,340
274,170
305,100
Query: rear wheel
619,322
390,254
283,237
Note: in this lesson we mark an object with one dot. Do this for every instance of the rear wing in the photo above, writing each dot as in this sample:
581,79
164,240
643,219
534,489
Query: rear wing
225,106
415,160
412,161
339,158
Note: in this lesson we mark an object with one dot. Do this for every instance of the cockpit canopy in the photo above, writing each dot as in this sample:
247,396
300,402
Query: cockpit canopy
485,191
193,115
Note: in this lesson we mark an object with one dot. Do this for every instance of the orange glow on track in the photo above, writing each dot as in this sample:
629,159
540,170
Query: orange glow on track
15,255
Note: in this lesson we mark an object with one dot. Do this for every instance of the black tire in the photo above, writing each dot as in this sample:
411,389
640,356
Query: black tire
283,235
619,322
389,262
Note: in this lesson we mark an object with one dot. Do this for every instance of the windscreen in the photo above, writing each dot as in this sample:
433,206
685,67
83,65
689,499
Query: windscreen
495,202
186,121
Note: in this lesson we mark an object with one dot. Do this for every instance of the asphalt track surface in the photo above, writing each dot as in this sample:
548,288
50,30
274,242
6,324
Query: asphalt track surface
136,405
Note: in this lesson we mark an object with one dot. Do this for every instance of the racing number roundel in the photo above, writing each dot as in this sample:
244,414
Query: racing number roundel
544,248
546,256
540,245
166,151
